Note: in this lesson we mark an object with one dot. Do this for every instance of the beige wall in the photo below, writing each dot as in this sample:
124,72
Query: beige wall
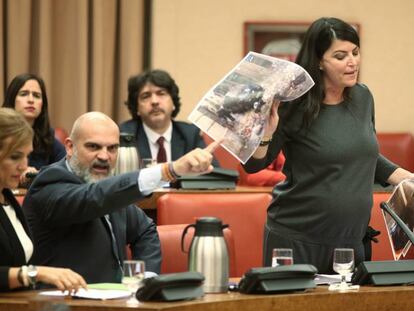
198,41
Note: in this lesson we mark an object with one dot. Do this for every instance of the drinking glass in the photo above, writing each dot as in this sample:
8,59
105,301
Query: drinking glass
343,264
148,162
282,256
132,278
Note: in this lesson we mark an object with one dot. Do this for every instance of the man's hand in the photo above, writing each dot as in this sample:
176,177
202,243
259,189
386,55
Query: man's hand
196,162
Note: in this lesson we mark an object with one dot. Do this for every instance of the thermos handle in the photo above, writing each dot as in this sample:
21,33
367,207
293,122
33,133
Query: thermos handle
183,236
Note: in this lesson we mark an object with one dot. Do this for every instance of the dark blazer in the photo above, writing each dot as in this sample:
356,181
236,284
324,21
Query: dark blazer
185,137
66,216
11,250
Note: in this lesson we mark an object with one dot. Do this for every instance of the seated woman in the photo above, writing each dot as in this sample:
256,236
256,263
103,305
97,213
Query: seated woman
16,246
27,95
267,177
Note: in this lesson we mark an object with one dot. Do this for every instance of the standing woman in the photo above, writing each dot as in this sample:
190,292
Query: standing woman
16,246
332,158
27,95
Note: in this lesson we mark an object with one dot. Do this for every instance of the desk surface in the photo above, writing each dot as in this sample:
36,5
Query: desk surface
399,298
151,201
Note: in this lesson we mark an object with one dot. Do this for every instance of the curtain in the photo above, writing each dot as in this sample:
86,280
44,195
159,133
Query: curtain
85,50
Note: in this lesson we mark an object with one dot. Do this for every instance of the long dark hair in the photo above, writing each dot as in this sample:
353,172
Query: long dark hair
43,138
157,77
316,42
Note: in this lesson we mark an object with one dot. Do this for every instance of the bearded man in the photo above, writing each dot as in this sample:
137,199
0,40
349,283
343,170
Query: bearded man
82,217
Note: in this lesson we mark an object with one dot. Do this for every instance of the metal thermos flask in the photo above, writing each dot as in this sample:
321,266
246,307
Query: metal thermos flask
208,253
128,158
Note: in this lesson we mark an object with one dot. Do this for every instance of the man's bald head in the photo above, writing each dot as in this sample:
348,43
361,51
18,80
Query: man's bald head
85,121
92,147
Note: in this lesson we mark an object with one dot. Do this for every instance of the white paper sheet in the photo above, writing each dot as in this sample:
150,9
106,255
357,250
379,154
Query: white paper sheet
101,294
321,279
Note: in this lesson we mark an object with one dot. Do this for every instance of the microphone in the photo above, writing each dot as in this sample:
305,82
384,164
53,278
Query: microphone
398,220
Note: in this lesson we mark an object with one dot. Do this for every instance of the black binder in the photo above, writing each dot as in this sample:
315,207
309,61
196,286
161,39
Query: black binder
387,272
219,178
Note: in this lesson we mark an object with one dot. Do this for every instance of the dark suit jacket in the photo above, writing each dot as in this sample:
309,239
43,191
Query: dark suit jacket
66,217
11,250
185,137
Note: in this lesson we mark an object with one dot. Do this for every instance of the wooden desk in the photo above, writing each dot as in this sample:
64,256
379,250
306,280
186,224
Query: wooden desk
399,298
151,202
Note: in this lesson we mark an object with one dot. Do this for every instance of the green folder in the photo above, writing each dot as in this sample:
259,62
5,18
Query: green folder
116,286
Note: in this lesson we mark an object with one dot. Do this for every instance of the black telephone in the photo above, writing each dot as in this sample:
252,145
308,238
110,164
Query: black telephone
278,279
387,272
172,287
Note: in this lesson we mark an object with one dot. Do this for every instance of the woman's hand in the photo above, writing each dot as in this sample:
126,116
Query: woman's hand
63,279
273,121
399,175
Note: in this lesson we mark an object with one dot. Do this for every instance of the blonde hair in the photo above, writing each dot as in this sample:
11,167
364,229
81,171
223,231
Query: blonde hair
14,131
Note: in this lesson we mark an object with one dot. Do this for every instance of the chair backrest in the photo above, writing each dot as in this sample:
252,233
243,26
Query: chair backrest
245,213
61,134
267,177
398,147
174,259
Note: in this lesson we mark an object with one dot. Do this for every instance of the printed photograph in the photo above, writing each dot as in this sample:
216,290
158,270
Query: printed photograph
236,108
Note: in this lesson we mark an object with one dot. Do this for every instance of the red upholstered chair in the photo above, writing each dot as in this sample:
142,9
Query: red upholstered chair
245,213
61,134
267,177
398,147
174,259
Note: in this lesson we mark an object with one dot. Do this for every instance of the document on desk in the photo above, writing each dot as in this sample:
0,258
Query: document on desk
322,279
91,293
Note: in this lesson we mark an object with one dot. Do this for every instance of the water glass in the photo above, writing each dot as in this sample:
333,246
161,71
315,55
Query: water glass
343,264
282,256
133,275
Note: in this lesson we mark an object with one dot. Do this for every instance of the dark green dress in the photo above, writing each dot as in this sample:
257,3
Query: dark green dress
330,169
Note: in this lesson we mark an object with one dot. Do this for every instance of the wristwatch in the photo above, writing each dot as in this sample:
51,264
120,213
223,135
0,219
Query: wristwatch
265,142
32,274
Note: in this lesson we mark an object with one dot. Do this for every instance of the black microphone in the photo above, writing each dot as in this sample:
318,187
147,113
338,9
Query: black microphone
398,220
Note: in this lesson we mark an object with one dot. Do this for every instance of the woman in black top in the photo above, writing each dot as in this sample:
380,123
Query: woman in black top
332,158
27,95
16,246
